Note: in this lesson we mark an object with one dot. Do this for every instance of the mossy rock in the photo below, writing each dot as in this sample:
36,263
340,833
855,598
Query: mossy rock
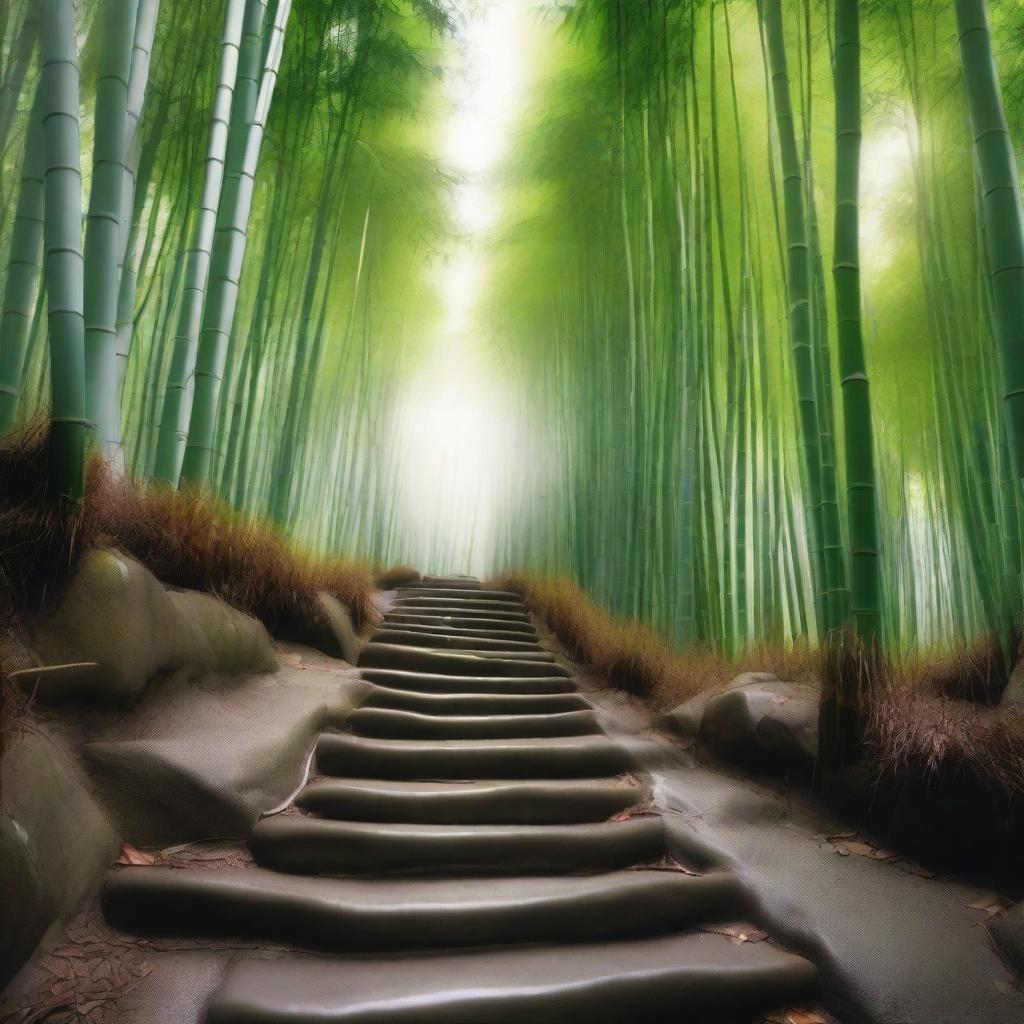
55,842
766,723
117,616
25,910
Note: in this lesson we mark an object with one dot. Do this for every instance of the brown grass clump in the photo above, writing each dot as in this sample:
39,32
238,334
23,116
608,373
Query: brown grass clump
915,734
636,658
975,672
396,576
185,538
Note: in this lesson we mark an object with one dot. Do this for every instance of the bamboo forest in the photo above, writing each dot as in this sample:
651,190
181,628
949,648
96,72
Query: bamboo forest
521,499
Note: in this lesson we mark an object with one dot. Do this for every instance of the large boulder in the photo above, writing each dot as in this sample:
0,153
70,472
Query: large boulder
123,627
55,840
685,719
765,723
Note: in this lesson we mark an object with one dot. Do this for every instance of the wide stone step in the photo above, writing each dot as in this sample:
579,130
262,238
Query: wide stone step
504,596
320,846
385,724
469,803
455,604
561,757
487,627
449,641
419,659
489,614
449,582
424,624
697,978
449,685
475,703
354,915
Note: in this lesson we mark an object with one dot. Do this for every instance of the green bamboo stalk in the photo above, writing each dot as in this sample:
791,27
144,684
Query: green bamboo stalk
103,247
225,274
62,234
174,416
798,285
862,505
131,207
1002,207
21,59
23,267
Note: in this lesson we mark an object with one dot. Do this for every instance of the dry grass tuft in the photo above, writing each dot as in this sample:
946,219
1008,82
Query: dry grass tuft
186,538
636,658
396,576
914,734
975,672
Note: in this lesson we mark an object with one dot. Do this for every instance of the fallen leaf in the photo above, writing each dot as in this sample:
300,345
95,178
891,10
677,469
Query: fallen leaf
990,902
58,967
881,853
841,849
737,933
130,855
916,869
861,849
1005,987
804,1017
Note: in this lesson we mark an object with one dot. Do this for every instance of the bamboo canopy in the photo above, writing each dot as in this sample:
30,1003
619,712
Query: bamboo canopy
713,305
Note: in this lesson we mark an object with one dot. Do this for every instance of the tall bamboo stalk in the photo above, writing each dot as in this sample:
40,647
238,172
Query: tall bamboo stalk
1001,206
23,266
103,244
62,234
225,274
175,413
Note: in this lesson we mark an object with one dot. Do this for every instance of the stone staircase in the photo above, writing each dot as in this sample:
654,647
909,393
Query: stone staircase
474,849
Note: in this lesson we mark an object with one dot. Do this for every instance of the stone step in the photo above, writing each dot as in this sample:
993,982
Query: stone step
449,641
564,802
512,628
577,757
305,845
448,582
694,977
489,614
450,685
356,915
385,724
419,659
503,596
455,604
474,703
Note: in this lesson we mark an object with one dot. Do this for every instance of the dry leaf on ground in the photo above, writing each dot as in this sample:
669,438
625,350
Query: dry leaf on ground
130,855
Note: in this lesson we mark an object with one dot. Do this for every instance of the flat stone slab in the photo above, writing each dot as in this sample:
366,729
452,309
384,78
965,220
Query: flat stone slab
487,627
572,757
353,915
450,641
439,683
387,724
458,592
673,978
441,704
426,660
461,803
457,603
320,846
